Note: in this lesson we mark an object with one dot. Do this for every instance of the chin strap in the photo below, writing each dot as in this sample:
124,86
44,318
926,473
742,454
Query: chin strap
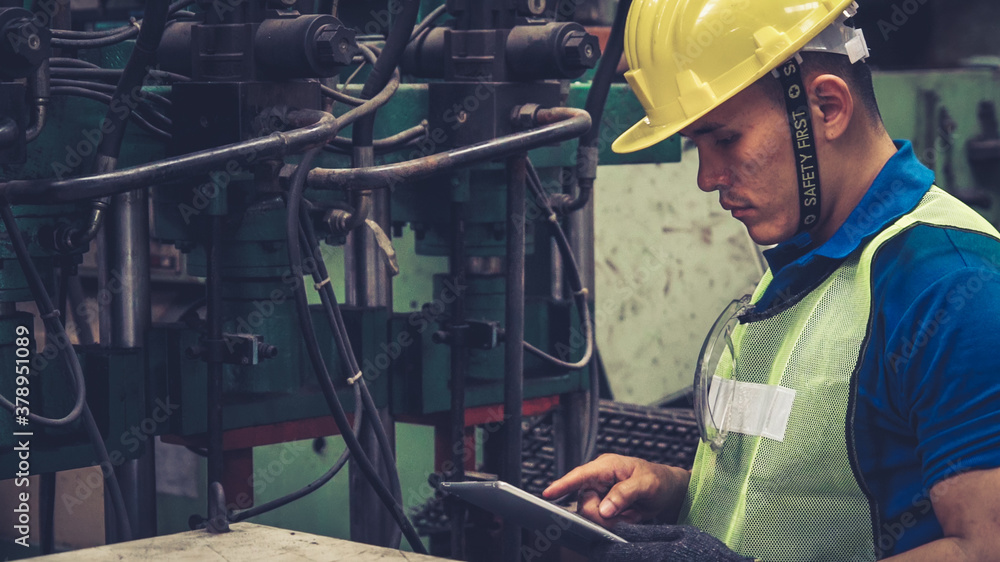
803,141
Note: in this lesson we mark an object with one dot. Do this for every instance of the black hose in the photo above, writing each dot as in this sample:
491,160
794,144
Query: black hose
597,98
363,131
323,375
428,21
66,62
580,298
109,88
305,230
594,414
143,56
313,127
97,34
575,279
140,120
237,516
53,326
112,73
336,320
121,34
54,329
121,106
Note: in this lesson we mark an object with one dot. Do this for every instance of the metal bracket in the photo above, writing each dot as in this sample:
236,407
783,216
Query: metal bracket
235,349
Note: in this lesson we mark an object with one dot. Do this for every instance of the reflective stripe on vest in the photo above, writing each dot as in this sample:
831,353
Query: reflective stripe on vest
802,498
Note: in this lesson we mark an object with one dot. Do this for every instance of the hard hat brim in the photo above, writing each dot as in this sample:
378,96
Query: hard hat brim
643,135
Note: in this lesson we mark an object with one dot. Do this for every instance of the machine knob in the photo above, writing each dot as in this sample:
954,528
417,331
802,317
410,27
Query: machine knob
24,46
580,49
334,45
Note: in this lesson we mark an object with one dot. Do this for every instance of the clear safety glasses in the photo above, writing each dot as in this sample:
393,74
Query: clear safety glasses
716,367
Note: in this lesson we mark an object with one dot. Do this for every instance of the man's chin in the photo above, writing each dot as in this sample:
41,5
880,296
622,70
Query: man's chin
765,236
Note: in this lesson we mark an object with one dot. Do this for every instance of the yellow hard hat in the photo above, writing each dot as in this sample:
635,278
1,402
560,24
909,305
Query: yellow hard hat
686,57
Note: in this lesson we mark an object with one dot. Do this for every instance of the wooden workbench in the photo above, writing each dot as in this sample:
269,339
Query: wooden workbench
246,542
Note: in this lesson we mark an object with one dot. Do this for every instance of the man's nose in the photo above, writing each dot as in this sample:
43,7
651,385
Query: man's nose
713,174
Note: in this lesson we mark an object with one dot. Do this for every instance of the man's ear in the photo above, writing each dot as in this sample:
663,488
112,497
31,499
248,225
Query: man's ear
832,106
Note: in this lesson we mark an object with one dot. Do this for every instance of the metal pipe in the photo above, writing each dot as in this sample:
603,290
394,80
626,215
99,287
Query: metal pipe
513,396
40,99
371,283
459,365
311,127
217,516
558,124
369,287
581,237
128,264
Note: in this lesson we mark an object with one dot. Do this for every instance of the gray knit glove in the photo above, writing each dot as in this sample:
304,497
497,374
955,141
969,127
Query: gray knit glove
665,543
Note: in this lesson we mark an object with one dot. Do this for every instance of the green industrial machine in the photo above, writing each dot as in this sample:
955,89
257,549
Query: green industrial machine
243,373
467,162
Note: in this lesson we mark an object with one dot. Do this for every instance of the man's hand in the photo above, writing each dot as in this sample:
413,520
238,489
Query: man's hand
615,489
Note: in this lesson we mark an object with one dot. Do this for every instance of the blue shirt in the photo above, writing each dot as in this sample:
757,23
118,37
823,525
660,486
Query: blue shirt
928,397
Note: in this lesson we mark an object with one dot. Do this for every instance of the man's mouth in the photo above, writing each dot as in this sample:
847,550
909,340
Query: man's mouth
733,206
739,210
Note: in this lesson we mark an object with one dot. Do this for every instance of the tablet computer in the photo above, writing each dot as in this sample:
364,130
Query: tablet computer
559,525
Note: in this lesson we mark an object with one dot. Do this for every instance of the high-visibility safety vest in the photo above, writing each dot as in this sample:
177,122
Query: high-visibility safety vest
803,498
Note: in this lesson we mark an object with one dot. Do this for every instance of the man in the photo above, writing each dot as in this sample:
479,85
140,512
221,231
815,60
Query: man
866,417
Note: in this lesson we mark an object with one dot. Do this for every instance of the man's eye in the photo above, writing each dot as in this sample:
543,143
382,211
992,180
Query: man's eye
728,140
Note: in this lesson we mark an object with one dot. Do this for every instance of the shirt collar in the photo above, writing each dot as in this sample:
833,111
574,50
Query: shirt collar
897,189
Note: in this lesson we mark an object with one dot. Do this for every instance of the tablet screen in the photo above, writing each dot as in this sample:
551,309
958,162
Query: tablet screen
513,504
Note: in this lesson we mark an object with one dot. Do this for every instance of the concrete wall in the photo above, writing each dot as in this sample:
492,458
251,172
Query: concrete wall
668,259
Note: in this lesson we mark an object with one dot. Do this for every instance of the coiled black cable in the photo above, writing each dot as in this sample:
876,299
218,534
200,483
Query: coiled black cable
138,116
326,384
336,320
362,133
580,297
575,280
54,327
88,72
109,88
106,37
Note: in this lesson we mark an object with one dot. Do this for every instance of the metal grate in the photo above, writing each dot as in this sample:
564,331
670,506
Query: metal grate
660,435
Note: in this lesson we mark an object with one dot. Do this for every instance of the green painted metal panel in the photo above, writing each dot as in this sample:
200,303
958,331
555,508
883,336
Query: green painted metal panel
938,111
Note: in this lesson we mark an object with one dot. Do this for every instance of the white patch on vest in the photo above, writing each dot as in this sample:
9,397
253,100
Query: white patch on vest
750,408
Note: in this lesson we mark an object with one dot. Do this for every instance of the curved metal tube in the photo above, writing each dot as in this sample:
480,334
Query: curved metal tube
314,128
558,124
